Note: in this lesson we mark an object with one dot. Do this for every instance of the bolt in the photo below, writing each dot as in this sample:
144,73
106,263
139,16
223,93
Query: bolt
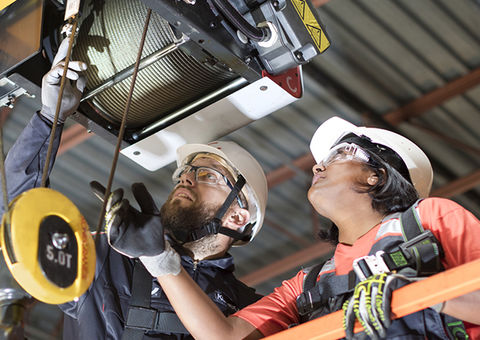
213,25
263,88
136,153
59,240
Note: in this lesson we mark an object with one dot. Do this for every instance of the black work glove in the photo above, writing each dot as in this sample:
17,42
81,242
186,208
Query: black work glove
131,232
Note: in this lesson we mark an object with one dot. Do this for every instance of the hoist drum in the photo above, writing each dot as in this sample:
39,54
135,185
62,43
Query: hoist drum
47,246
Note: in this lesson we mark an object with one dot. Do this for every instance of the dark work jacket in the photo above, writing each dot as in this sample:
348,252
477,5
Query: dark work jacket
101,311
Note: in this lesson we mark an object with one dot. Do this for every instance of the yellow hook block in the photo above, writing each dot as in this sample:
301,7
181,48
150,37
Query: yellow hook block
47,246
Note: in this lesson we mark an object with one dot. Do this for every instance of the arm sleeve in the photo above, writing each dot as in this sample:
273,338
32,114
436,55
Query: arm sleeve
276,311
26,158
457,229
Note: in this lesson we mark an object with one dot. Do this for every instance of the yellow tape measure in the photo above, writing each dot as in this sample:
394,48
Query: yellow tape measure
48,246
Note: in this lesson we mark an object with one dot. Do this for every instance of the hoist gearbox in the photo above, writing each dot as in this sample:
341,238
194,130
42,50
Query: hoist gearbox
209,67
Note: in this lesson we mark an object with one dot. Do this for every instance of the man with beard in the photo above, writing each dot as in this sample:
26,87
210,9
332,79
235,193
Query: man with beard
218,201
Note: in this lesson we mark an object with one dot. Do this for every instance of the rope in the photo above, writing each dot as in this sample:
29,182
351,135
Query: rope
59,103
122,126
4,179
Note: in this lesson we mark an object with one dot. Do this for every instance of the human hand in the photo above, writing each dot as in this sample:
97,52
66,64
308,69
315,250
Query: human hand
370,304
72,92
131,232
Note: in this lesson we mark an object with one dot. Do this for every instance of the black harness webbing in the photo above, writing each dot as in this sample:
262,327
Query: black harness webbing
420,251
142,318
215,226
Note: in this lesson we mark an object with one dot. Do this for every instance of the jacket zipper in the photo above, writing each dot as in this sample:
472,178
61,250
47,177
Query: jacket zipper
195,264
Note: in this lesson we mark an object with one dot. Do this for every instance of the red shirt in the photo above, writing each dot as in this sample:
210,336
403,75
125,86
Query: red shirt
454,227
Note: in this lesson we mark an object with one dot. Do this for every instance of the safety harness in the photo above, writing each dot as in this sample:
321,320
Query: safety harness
417,249
140,316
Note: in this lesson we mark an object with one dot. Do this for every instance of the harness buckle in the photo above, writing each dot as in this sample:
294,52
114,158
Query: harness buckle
426,235
141,318
369,265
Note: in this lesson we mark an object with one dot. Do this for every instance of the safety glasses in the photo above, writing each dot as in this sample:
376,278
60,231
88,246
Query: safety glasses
345,151
204,175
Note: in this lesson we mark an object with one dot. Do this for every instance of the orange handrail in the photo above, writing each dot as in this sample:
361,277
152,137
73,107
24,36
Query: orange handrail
443,286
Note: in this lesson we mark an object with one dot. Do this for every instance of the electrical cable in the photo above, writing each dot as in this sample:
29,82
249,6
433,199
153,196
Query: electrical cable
252,32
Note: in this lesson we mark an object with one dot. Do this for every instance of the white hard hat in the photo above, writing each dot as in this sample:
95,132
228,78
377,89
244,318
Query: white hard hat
334,129
241,161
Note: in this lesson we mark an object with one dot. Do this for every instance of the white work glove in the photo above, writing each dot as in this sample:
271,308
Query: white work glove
72,91
166,263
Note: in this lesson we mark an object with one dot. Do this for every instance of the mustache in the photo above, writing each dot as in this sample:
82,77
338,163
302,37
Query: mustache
190,191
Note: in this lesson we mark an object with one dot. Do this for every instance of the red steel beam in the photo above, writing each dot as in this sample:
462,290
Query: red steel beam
434,98
71,137
417,296
459,185
286,172
297,259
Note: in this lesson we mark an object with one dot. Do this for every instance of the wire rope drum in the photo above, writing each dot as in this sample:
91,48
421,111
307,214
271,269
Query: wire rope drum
47,246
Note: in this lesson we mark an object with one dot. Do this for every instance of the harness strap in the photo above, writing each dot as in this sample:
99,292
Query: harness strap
314,297
420,251
139,317
142,318
215,226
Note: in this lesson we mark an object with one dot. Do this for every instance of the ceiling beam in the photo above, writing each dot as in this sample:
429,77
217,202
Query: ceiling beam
316,250
318,3
434,98
458,186
71,137
285,172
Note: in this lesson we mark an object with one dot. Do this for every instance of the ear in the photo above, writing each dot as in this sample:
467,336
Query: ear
372,179
236,218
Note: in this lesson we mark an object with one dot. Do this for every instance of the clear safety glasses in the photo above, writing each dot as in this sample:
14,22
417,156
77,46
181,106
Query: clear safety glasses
204,175
345,151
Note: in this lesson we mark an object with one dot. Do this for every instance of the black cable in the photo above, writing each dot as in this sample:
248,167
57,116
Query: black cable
237,20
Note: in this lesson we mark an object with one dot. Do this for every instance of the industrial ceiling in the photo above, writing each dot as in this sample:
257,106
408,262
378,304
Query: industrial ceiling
411,66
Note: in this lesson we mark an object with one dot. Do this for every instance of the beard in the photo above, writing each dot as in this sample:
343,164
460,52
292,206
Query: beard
179,221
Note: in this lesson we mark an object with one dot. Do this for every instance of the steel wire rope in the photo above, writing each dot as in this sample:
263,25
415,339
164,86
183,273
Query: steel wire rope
122,126
59,103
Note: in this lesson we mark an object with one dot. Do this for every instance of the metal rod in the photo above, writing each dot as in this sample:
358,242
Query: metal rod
192,107
145,62
122,126
59,102
4,178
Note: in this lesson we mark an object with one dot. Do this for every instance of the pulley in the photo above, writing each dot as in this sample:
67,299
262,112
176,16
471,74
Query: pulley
47,246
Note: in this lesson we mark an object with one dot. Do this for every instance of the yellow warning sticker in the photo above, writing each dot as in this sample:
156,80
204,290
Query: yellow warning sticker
5,3
311,24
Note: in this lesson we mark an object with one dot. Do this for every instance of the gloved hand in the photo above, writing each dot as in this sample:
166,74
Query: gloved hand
370,304
72,91
136,233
